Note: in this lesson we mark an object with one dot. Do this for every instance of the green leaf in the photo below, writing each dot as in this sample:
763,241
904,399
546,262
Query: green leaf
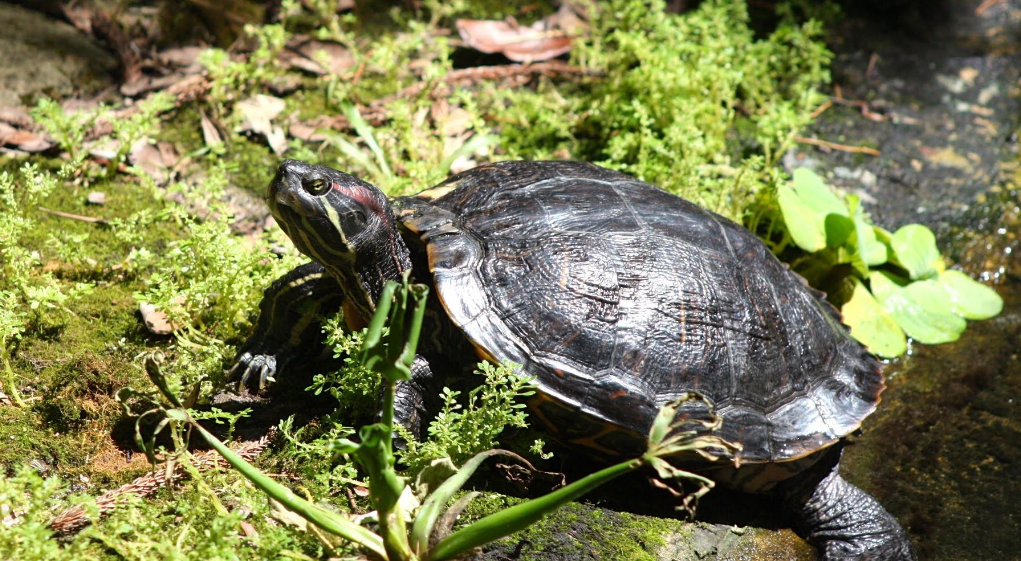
816,195
915,249
838,229
422,528
871,325
969,298
871,250
664,422
807,229
344,446
922,309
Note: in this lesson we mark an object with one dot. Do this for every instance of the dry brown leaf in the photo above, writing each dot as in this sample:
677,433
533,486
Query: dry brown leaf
305,131
543,40
257,115
185,58
146,84
317,57
155,321
155,159
210,133
24,140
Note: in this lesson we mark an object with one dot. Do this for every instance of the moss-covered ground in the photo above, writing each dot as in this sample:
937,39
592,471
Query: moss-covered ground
704,103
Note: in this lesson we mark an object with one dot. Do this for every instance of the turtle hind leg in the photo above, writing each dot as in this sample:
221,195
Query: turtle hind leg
843,521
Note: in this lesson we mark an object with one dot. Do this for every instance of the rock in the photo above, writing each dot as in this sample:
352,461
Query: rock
44,54
96,198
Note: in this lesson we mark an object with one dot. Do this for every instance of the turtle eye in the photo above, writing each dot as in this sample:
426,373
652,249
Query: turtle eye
315,186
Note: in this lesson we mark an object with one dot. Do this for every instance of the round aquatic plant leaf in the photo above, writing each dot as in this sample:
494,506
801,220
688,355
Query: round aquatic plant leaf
871,325
915,248
969,298
872,251
806,227
922,309
838,229
811,189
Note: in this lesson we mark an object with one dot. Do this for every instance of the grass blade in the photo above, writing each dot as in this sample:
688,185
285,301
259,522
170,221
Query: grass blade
364,130
520,516
433,505
324,519
474,144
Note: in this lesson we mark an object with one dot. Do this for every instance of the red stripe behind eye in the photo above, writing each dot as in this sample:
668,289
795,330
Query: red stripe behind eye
362,195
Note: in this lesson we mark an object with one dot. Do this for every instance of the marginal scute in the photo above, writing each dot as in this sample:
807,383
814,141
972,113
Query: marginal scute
620,297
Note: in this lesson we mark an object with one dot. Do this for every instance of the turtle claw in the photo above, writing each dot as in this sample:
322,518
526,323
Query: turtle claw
256,371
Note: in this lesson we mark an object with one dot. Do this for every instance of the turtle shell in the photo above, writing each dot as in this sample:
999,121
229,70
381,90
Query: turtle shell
619,297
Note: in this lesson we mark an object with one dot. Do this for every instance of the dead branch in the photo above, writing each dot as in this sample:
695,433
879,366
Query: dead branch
838,147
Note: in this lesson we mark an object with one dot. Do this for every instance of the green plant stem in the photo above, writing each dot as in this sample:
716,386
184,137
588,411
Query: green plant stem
326,520
385,486
519,517
12,387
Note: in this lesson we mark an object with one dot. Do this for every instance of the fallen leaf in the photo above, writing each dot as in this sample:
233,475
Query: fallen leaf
105,148
155,159
146,84
257,114
96,198
210,132
305,131
316,57
249,530
24,140
543,40
185,58
155,320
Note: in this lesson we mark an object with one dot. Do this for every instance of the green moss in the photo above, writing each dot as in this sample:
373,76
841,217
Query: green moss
579,531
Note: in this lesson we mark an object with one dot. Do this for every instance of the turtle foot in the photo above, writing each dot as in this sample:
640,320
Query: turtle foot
843,521
253,371
894,550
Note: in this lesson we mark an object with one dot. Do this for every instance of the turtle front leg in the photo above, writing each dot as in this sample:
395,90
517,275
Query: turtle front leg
843,521
289,325
410,397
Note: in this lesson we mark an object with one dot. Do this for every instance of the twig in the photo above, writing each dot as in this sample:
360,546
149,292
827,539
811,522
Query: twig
75,518
835,146
91,219
819,110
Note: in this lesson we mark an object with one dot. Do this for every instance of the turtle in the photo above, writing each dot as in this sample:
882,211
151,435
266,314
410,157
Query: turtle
617,296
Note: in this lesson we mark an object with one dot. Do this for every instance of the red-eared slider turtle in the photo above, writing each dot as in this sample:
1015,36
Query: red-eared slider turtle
618,297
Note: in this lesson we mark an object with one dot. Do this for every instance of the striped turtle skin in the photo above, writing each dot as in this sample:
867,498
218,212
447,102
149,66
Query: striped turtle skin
618,297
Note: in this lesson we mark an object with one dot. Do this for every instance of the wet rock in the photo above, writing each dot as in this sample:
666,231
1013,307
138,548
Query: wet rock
941,88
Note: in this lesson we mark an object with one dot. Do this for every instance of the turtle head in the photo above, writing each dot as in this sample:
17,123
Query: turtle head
329,215
344,223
